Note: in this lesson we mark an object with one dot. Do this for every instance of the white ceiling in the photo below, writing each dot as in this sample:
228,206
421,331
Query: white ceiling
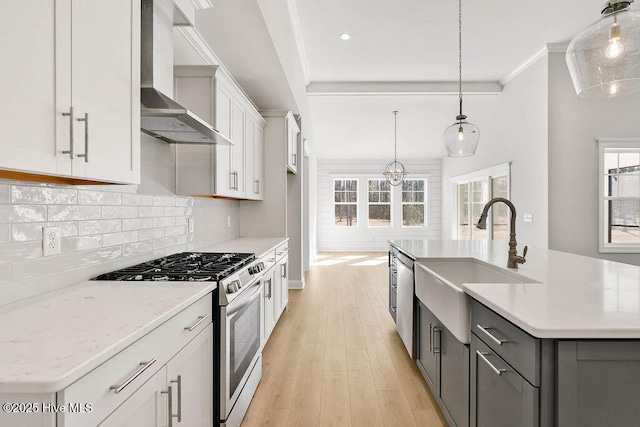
392,41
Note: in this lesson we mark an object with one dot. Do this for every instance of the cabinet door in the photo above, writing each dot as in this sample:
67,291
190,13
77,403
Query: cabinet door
190,373
224,181
598,383
277,291
454,376
267,281
427,357
258,160
237,156
105,73
147,407
284,283
292,144
250,187
500,397
35,82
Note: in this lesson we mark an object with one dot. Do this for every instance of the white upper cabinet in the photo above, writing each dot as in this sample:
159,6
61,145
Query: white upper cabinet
218,170
292,143
254,158
71,87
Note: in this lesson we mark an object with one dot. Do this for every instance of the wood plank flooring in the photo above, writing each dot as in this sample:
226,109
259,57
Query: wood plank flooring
335,358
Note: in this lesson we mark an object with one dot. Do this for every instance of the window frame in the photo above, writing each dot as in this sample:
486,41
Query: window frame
619,144
390,204
424,203
356,203
487,174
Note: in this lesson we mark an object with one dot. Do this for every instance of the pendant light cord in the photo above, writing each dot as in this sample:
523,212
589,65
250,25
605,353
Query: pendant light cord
460,51
395,136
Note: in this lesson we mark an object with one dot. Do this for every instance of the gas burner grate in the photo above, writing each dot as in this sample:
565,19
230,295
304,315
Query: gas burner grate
184,267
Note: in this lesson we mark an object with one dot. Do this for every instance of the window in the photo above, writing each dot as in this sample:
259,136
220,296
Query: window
345,193
413,205
619,196
472,192
379,203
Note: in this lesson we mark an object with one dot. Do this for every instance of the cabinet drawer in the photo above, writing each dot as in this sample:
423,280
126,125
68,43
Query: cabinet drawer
516,347
282,250
130,368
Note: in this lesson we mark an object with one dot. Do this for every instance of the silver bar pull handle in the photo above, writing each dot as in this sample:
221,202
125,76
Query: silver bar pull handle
258,186
117,388
70,150
231,180
198,322
178,381
430,338
85,119
169,393
490,335
493,368
295,155
284,270
436,343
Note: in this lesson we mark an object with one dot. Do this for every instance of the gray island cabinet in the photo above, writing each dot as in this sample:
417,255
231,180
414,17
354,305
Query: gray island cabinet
542,350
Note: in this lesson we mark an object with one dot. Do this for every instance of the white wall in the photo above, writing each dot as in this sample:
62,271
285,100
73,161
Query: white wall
513,128
362,238
311,209
574,125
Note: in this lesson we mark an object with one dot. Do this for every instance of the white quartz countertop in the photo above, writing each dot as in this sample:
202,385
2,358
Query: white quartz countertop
50,341
576,297
258,245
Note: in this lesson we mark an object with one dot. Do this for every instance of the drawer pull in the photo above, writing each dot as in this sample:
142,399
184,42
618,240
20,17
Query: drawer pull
436,331
490,335
117,388
169,393
178,381
493,368
195,325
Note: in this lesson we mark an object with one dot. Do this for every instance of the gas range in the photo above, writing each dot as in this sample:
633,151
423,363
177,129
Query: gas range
232,271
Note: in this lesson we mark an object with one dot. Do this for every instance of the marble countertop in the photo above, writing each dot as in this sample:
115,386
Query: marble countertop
576,297
50,341
258,245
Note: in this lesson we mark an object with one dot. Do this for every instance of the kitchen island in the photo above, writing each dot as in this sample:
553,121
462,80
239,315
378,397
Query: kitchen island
573,324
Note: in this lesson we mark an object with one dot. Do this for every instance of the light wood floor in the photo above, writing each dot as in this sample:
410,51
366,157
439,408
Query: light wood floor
335,358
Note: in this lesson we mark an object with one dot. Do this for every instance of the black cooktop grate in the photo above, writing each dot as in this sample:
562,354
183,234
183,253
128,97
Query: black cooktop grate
185,267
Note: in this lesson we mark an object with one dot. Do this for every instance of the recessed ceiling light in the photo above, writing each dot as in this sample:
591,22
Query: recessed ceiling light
344,36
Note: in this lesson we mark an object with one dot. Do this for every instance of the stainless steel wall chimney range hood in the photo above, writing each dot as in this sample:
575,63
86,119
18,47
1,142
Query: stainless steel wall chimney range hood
161,116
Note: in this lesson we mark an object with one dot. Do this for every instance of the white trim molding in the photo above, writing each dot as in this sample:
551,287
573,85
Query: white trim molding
297,34
549,48
296,284
401,88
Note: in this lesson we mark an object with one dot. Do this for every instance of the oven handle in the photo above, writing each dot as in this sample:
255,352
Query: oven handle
248,300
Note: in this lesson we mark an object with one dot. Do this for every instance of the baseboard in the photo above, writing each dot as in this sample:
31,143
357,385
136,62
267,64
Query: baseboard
296,284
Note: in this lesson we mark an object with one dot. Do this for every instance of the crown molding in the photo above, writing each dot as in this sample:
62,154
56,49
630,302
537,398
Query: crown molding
297,34
401,88
202,4
557,47
549,48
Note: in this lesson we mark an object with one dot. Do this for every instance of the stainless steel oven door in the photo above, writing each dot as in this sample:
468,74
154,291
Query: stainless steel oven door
240,339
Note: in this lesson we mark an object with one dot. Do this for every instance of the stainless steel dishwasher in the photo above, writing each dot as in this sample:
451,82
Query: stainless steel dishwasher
404,313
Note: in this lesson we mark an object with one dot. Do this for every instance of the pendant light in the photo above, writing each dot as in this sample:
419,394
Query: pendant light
604,59
461,138
395,172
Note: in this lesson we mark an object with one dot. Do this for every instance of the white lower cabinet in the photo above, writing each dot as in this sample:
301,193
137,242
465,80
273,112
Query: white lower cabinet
275,290
268,281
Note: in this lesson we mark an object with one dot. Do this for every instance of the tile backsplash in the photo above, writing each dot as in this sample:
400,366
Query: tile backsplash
102,228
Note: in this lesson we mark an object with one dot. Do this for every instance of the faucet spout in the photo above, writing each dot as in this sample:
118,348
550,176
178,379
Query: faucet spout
514,258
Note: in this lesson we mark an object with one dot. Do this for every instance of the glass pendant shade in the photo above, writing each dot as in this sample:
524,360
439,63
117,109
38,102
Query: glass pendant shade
461,138
604,59
395,173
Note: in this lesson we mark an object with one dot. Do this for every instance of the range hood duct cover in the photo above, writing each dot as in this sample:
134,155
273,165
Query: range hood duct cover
161,116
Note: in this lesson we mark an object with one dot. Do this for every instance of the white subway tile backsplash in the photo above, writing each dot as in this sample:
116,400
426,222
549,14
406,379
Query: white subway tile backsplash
150,211
112,212
130,199
113,239
182,201
153,233
80,243
164,221
136,248
137,224
164,201
164,242
13,252
176,230
43,195
5,193
86,197
26,231
145,200
5,233
5,272
99,226
181,220
72,212
174,211
22,213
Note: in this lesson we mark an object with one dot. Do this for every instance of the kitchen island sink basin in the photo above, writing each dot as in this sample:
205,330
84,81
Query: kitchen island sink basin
439,287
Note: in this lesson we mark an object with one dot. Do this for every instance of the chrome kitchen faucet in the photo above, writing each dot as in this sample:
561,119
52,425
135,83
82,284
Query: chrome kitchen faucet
514,258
